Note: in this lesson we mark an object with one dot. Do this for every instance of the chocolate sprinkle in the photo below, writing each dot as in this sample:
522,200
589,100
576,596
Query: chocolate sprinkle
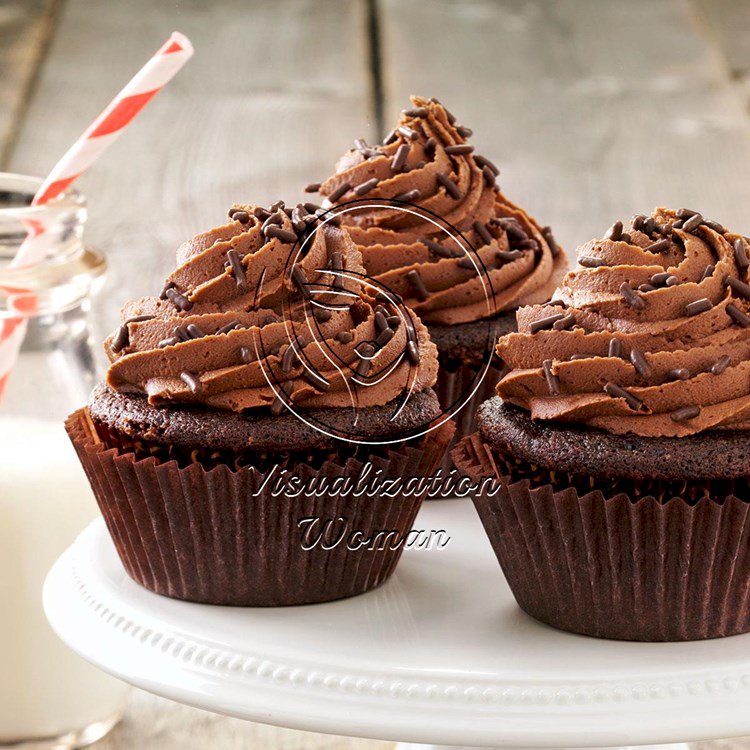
289,358
299,278
450,186
246,355
616,391
740,253
685,213
679,373
639,362
313,187
660,278
615,348
340,191
708,272
489,177
464,132
273,218
631,297
440,250
121,339
316,380
344,337
588,261
407,132
738,316
740,288
692,223
322,314
226,328
544,323
698,307
192,382
553,382
508,255
239,271
483,233
564,323
658,246
409,195
721,365
415,112
285,235
672,281
194,332
615,232
483,161
459,149
385,336
399,159
412,352
380,322
646,288
180,301
366,187
553,246
687,412
414,278
277,406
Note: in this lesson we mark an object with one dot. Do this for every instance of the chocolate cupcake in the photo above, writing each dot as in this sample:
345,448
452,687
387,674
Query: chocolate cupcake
620,436
461,255
264,359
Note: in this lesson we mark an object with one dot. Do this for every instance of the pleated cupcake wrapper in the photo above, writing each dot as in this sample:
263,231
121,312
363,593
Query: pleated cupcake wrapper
617,567
219,536
450,388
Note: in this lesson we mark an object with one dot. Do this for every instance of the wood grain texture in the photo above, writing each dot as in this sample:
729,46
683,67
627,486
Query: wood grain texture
263,108
24,26
594,111
153,723
727,23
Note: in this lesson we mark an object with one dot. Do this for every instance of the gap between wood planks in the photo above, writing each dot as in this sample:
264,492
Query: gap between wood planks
40,38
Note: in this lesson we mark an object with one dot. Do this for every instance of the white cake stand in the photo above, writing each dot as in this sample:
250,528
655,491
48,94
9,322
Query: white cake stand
440,654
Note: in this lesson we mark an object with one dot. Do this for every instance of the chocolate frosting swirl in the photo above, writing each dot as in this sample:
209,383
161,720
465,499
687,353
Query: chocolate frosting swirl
427,162
649,335
269,309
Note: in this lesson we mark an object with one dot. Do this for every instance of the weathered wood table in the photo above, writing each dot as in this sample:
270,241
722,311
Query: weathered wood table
594,110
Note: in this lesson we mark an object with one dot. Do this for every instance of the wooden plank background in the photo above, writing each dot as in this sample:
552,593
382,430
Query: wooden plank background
594,110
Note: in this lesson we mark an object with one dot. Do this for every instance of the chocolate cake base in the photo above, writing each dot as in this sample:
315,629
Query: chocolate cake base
722,454
624,557
207,522
462,351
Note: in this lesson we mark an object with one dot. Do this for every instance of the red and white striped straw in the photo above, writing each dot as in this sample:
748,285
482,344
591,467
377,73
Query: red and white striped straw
99,136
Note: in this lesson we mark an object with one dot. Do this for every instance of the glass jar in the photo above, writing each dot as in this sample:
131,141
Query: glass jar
49,697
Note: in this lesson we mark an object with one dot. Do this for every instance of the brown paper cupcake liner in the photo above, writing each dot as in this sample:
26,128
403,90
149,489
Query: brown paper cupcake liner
220,536
616,566
452,384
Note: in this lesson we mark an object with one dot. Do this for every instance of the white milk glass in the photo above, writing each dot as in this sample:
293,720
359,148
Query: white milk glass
49,697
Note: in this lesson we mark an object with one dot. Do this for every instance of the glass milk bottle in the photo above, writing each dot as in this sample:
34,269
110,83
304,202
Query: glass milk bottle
49,697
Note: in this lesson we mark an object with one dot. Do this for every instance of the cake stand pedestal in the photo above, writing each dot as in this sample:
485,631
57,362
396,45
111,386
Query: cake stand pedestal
440,654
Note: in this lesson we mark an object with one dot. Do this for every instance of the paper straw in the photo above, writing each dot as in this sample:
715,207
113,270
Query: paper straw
98,137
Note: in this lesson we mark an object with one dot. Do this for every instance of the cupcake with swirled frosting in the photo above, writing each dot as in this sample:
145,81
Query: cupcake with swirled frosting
267,353
620,434
432,226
